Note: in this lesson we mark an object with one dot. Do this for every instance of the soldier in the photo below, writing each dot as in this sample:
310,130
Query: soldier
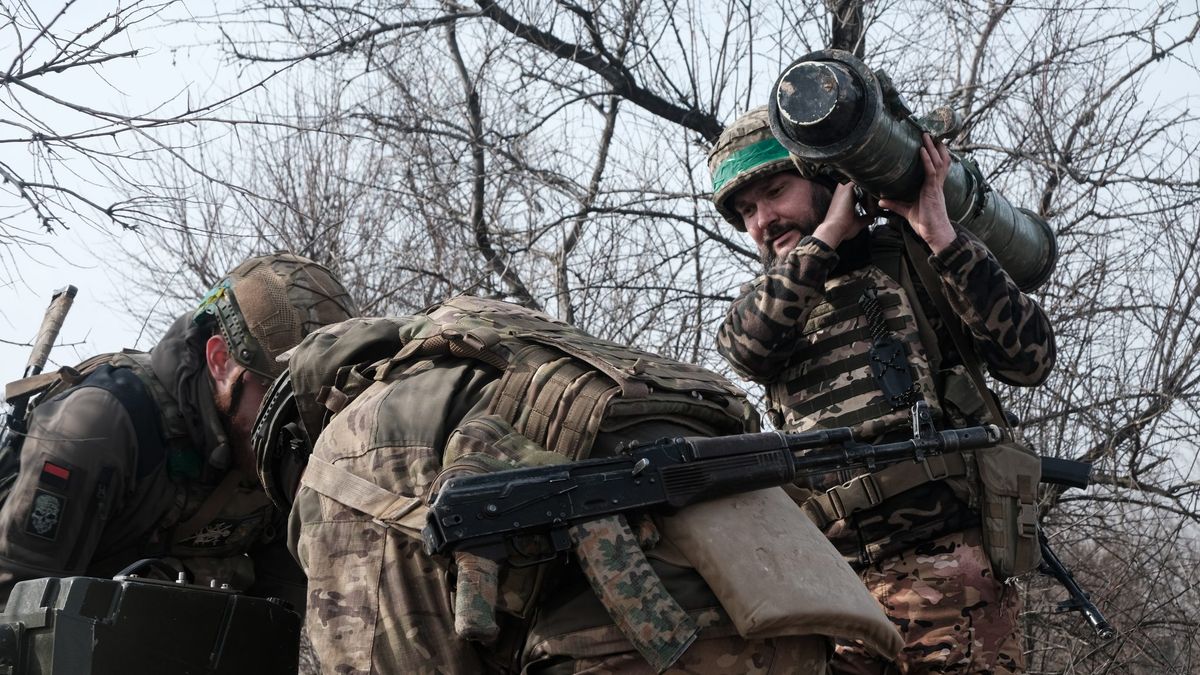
136,455
398,406
849,326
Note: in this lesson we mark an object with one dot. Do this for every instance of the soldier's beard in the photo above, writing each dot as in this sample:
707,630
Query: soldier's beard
238,429
227,400
821,198
766,252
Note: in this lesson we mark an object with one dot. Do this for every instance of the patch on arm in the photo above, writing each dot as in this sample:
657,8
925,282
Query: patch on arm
55,476
46,514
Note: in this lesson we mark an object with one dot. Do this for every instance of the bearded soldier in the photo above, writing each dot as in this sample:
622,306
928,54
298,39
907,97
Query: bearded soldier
849,326
147,455
396,407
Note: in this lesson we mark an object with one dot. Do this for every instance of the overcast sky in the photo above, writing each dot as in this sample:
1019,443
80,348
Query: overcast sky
173,68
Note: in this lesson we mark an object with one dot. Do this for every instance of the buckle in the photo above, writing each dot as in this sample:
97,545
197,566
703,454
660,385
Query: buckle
1027,520
861,493
930,472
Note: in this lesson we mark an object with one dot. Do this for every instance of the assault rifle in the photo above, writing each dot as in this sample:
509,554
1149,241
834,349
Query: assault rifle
482,514
13,422
485,514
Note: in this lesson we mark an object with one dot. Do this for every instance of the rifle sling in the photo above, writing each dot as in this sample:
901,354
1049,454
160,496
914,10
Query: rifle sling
870,490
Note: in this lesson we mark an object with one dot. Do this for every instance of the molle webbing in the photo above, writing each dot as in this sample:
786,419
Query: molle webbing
465,345
813,375
558,386
552,400
822,401
845,312
559,383
816,349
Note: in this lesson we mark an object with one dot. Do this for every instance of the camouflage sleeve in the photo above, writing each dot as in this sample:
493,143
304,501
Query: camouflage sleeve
1012,333
73,466
376,603
759,333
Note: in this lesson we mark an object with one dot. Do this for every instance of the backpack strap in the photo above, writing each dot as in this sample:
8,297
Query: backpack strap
406,514
143,412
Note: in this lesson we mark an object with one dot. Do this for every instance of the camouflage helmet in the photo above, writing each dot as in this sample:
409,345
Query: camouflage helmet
745,151
267,304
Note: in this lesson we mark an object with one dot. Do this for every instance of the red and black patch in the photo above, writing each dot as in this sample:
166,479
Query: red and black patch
45,515
55,476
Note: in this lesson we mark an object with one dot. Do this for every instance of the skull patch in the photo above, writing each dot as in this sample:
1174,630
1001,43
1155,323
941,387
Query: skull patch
45,516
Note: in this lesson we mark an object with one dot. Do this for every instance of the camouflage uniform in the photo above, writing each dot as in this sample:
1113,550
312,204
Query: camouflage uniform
378,604
123,463
804,331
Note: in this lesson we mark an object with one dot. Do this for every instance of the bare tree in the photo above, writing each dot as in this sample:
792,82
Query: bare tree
75,143
553,153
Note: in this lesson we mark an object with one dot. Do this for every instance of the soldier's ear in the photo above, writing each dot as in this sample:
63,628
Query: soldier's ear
221,365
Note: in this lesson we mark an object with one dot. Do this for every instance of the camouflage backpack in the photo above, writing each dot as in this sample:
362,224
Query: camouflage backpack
557,389
546,392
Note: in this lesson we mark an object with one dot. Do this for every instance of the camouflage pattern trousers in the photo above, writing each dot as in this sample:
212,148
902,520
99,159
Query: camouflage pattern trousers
955,617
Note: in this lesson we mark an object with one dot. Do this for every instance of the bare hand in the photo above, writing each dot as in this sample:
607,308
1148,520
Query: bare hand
928,215
841,222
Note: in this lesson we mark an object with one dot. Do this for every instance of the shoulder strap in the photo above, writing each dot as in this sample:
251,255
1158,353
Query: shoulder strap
143,412
954,326
406,514
173,425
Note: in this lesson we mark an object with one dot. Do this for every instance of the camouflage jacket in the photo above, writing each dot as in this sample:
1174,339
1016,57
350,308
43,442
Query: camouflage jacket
759,336
376,602
95,492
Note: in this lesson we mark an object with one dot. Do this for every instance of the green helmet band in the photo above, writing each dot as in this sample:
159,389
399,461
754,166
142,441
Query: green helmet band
756,154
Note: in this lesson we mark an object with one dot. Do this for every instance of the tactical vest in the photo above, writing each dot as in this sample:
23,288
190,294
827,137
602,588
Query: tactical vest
561,386
834,379
829,381
558,387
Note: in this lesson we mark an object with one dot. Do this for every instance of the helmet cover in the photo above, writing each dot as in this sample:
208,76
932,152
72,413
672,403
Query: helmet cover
746,151
267,304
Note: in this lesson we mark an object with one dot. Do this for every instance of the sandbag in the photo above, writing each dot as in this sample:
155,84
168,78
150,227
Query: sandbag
775,573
